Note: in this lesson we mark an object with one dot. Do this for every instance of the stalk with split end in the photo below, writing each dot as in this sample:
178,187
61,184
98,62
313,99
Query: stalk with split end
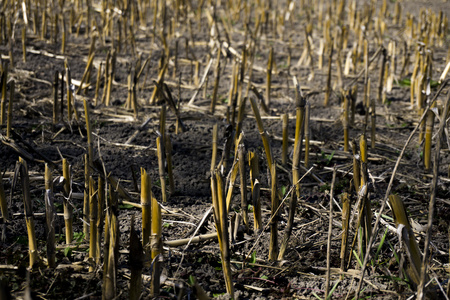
243,183
253,161
66,203
156,247
21,167
162,179
262,132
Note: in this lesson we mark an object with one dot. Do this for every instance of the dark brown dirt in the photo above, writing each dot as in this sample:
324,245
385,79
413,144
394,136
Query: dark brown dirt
302,272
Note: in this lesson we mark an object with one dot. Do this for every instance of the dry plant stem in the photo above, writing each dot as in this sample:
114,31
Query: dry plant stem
107,67
3,87
21,167
269,77
100,207
408,238
345,227
61,115
225,245
382,73
273,246
428,136
330,231
307,132
356,167
86,198
10,108
66,204
92,225
69,92
285,119
162,179
366,221
262,132
55,99
50,213
241,114
24,47
373,123
345,120
432,205
168,148
243,183
231,179
97,84
254,175
300,116
190,240
110,78
156,246
110,278
146,213
86,72
216,84
214,148
388,190
3,203
135,259
328,87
